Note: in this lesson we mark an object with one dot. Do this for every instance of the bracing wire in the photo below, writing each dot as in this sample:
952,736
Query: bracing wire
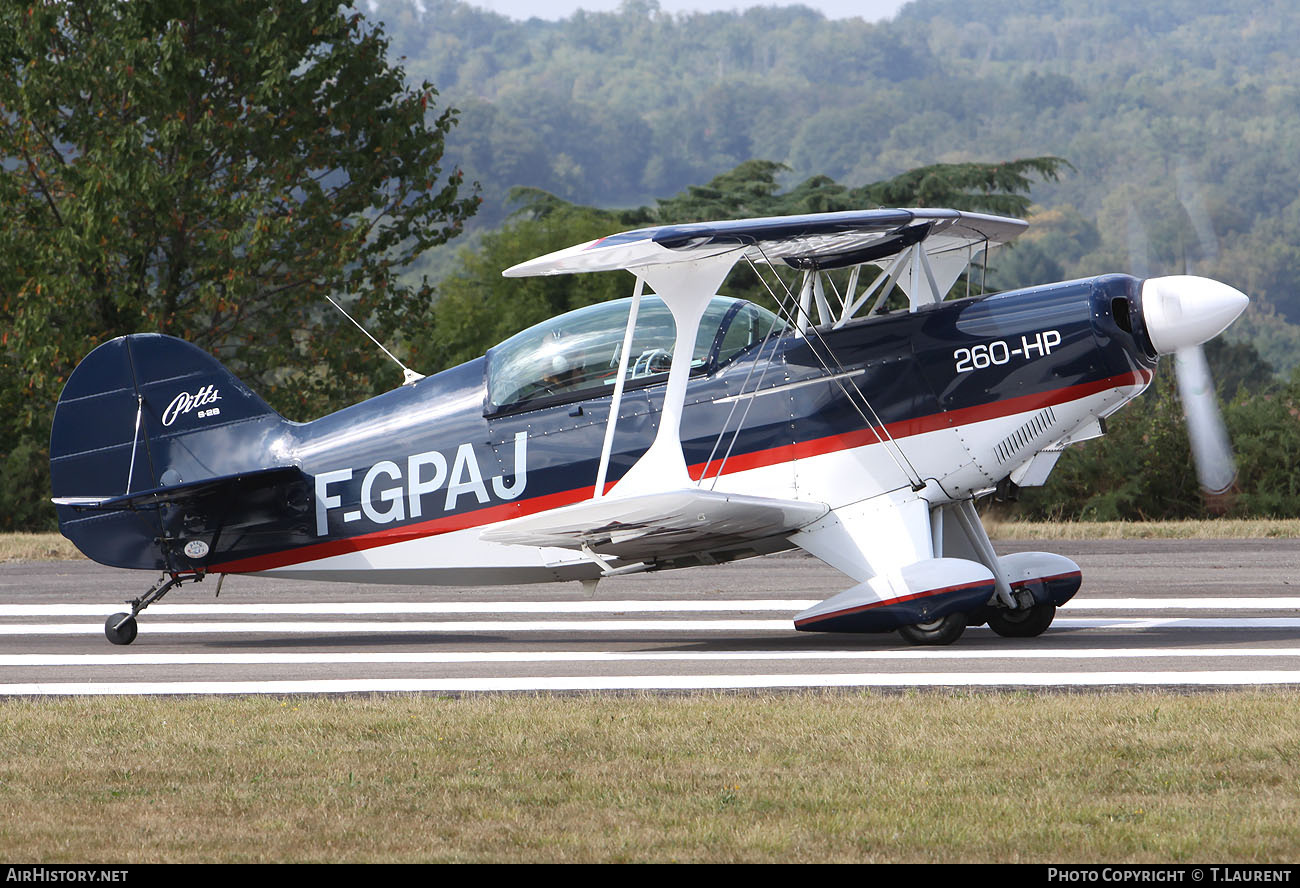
139,412
744,385
749,402
408,375
878,426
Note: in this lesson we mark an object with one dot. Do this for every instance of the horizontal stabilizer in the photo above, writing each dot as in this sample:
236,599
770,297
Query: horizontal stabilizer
232,486
638,527
915,593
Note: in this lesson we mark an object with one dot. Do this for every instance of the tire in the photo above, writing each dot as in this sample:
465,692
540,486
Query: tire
123,634
1025,623
944,630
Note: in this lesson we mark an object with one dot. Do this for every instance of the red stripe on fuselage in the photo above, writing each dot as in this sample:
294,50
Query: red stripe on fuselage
737,463
922,424
407,532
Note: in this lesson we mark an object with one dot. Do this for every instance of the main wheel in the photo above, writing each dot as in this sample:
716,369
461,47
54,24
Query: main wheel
1022,623
944,630
120,634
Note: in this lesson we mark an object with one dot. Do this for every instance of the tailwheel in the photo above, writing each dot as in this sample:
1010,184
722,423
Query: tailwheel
120,629
1026,622
944,630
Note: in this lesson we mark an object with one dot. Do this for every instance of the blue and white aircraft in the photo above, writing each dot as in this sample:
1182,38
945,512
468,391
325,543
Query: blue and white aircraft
674,428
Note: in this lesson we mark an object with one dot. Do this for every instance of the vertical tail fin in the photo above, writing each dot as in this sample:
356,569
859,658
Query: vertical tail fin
143,412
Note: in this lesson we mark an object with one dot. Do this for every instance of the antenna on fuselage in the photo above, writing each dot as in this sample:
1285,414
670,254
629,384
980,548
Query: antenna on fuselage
408,375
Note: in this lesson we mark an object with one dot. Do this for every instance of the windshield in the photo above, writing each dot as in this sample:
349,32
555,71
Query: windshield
580,351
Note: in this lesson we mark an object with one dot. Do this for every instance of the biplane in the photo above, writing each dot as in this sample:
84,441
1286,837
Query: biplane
672,428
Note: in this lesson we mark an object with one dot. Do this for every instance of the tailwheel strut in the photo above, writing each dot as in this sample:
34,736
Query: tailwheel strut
121,628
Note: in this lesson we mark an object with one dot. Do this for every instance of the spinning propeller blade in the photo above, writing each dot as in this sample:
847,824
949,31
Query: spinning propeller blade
1211,450
1181,312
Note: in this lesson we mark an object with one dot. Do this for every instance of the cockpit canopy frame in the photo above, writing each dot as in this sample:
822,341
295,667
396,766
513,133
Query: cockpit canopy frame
576,355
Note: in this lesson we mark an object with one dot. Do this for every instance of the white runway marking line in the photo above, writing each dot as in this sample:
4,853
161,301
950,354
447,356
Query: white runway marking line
429,657
417,607
250,627
1125,604
590,607
405,627
662,682
1176,622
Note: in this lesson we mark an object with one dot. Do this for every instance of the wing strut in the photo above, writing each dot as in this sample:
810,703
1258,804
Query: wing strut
616,402
812,291
883,283
686,288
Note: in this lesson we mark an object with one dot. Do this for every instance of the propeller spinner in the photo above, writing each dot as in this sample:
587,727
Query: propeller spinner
1181,312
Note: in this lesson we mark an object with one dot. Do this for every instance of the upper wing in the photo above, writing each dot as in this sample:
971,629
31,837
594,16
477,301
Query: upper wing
669,523
822,240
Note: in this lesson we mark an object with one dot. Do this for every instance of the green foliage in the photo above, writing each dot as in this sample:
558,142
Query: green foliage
752,189
25,495
1178,115
1238,368
1055,241
992,187
748,191
1277,340
1266,436
209,172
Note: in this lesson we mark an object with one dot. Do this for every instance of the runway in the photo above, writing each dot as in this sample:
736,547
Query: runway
1160,613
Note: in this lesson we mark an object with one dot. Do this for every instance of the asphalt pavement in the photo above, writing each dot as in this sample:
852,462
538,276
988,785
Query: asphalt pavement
1151,613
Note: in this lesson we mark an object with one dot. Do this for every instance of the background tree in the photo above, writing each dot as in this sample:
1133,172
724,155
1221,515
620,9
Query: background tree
753,189
1178,114
477,307
208,170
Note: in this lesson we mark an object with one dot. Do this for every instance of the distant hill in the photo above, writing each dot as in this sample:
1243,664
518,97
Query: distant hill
1179,116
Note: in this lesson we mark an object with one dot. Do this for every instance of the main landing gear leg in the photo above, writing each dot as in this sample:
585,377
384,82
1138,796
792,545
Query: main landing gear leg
121,628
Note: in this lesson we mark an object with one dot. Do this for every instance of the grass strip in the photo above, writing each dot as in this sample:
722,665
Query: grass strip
812,776
37,547
1206,529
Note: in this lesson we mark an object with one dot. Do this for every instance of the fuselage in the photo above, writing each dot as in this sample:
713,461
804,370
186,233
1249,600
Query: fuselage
945,402
956,396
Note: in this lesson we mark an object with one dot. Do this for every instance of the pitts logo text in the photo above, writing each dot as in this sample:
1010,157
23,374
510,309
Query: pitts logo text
185,402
